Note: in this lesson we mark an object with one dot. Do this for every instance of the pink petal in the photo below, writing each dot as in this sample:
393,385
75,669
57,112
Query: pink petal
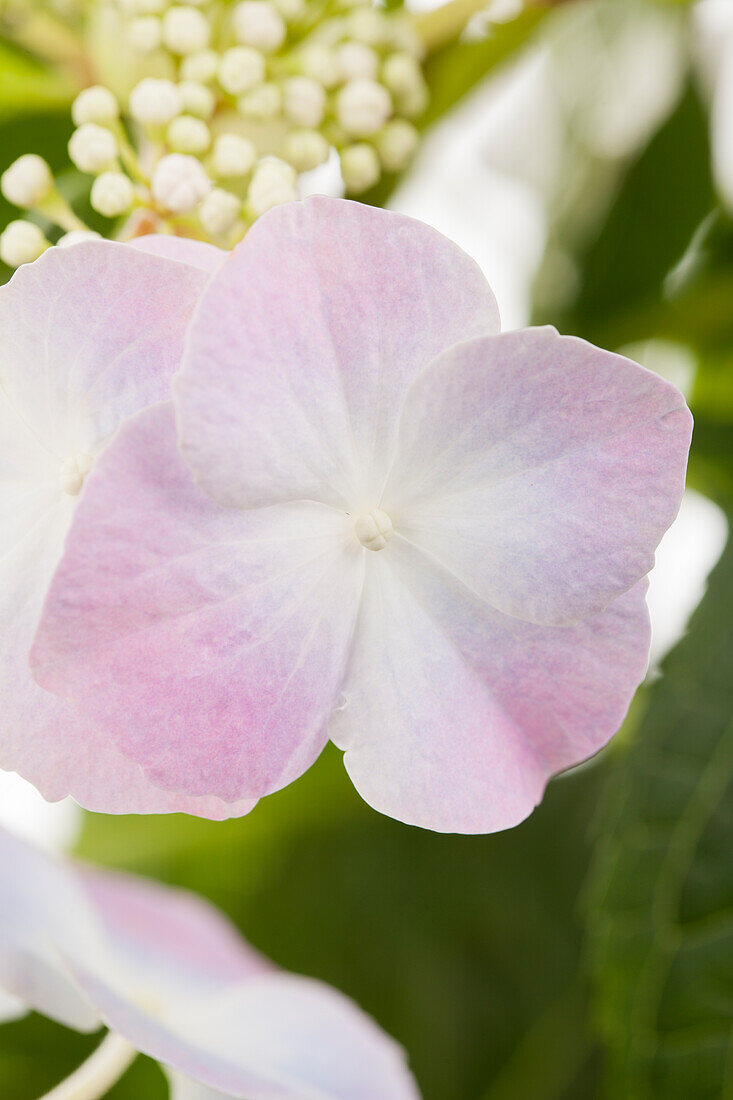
456,715
209,644
540,470
305,344
196,253
90,335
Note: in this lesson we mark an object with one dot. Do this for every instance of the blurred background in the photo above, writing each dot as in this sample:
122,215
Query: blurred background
582,152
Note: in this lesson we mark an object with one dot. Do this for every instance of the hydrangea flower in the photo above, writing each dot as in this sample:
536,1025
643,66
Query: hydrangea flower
412,534
90,334
169,976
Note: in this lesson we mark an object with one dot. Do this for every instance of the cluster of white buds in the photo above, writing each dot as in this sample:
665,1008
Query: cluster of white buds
241,99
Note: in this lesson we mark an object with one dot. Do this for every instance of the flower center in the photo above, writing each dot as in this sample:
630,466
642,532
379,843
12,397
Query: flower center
72,473
374,529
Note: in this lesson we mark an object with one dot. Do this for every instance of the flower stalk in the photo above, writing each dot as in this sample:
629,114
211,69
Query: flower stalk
95,1077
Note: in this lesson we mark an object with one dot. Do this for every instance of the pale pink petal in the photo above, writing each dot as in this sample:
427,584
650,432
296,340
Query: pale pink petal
304,346
89,335
186,251
209,644
540,470
42,908
456,715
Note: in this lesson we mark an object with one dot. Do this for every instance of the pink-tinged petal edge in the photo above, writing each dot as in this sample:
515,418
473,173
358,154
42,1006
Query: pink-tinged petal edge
305,343
207,257
208,644
540,470
455,716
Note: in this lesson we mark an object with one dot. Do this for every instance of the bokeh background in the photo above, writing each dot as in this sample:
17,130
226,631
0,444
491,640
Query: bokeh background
582,152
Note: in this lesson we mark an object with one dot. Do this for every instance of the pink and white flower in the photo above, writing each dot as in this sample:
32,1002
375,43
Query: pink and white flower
90,335
172,978
412,534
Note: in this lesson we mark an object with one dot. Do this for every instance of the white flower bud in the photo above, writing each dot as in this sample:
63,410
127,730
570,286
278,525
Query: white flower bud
77,236
21,243
359,167
319,63
272,183
112,194
396,144
27,181
368,25
201,67
219,212
258,23
95,104
354,59
402,74
304,101
145,33
291,9
265,101
179,183
232,155
240,69
306,149
185,30
155,102
197,99
93,148
363,107
187,134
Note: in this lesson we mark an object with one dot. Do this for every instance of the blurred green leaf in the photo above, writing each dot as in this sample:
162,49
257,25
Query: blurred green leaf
27,86
662,201
462,947
660,899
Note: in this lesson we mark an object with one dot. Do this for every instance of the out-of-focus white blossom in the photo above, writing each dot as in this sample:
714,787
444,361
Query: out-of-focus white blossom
363,107
359,167
396,144
179,183
304,101
219,212
155,102
232,155
185,30
201,67
145,33
197,99
240,69
258,23
354,59
112,194
263,102
306,149
21,242
187,134
76,236
93,148
27,182
95,104
273,182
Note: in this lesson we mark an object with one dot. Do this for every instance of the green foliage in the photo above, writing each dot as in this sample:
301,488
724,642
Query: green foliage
661,893
26,86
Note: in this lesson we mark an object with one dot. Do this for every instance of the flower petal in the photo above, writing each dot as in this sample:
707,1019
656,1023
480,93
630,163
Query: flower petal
456,715
209,644
304,346
199,254
90,334
540,470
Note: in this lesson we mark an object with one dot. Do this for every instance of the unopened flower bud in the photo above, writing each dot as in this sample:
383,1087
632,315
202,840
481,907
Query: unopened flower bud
363,107
197,99
219,212
359,167
232,155
185,30
304,101
93,148
319,63
291,9
154,102
368,25
187,134
240,69
273,182
179,183
354,59
27,182
263,102
21,243
112,194
401,73
145,33
258,23
77,236
396,144
201,67
95,104
306,149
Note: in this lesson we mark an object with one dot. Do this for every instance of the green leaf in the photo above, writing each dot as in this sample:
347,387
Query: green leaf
27,87
462,947
660,897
